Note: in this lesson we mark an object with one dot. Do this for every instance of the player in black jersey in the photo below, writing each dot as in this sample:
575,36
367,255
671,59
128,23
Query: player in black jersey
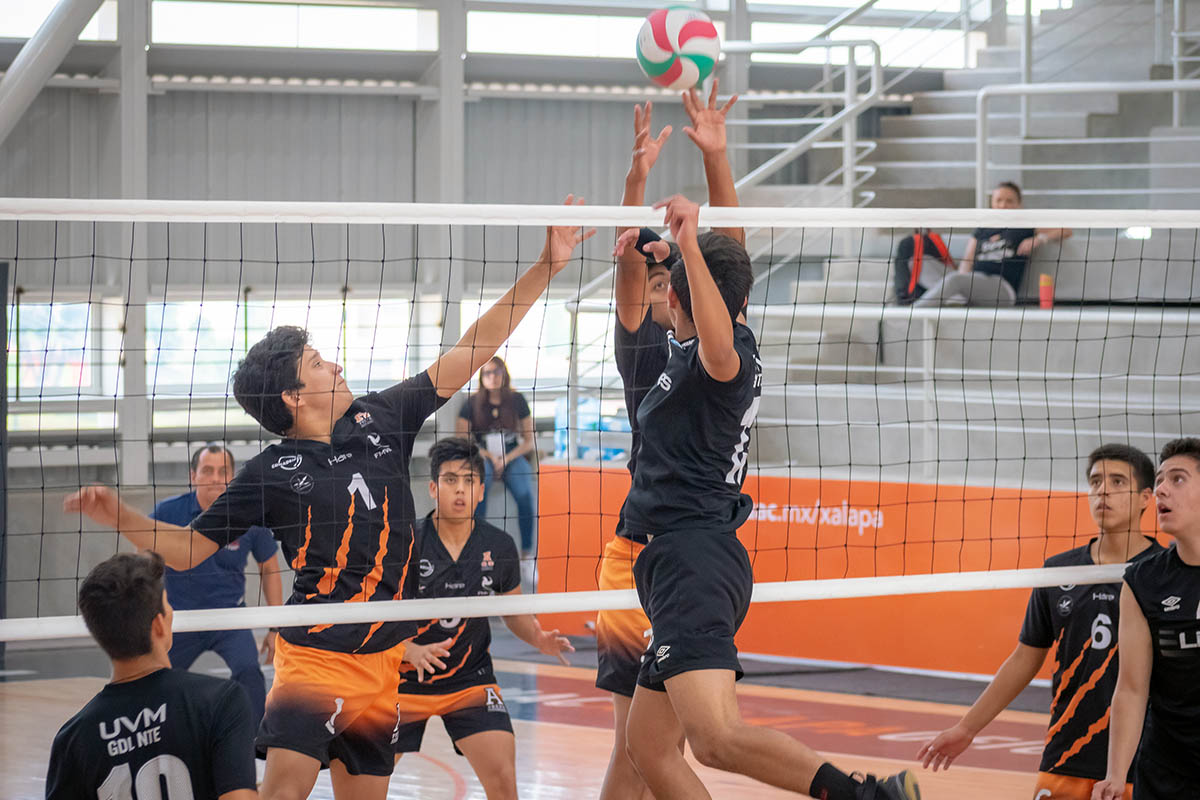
1157,699
643,272
693,577
1080,623
337,495
151,728
463,557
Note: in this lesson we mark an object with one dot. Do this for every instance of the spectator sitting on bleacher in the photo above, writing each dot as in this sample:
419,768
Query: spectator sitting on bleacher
994,262
921,262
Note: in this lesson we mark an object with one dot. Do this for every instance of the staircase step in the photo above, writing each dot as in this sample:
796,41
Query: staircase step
1064,124
999,58
829,291
930,173
921,196
978,78
964,101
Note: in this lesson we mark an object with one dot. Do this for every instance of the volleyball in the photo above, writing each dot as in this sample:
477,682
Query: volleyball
677,47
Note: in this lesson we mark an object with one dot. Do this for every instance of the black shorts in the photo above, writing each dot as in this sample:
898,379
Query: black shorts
695,588
473,710
1154,780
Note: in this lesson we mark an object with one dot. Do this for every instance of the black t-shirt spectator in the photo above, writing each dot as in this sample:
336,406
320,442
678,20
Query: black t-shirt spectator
996,253
485,417
192,732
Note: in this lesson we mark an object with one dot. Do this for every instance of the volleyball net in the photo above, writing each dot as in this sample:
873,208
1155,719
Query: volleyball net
900,448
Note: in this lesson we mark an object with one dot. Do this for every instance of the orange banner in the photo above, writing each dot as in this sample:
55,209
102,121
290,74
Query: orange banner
806,528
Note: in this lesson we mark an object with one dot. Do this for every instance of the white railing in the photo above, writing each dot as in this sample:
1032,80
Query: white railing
1025,90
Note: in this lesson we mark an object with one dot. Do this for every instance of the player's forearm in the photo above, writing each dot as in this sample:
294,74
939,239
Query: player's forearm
180,548
709,312
272,584
721,190
635,191
1124,730
1014,675
526,628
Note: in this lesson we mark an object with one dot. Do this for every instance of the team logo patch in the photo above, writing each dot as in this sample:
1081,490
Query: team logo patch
1064,605
288,463
494,703
381,447
302,483
1172,603
363,418
426,567
486,562
486,583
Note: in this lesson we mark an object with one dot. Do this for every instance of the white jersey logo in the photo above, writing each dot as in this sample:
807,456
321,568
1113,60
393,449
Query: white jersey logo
664,382
1172,603
329,724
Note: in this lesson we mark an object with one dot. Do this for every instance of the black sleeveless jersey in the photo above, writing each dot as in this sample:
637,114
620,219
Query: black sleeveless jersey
1080,623
695,435
1168,592
192,734
641,357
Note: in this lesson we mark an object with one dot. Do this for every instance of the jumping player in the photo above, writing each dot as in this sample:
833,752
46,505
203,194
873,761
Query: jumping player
336,493
640,345
1156,706
1080,623
694,577
151,725
463,557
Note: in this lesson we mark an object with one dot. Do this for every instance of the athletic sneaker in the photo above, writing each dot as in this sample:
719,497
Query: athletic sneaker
901,786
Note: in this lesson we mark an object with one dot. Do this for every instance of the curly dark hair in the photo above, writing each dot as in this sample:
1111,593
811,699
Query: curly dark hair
728,263
270,368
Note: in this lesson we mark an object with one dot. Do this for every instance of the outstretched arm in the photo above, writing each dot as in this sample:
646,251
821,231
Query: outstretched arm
180,548
527,628
1129,699
632,295
707,132
481,341
714,326
1015,674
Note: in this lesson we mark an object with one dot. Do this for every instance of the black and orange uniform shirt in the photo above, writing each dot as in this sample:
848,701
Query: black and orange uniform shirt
641,357
487,565
342,511
1168,592
1080,623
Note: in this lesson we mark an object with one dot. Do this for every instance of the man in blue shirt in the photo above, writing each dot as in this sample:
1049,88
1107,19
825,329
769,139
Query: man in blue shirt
220,580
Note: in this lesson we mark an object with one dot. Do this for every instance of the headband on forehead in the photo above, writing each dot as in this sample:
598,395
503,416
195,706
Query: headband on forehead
647,237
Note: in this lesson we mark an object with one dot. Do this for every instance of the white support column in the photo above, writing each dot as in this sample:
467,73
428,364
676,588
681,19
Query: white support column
1026,64
737,81
39,58
135,409
440,151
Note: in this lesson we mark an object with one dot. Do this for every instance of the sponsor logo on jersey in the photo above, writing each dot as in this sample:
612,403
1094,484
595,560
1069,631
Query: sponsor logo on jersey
363,418
426,567
486,562
664,382
289,463
486,583
302,483
233,545
452,586
1064,605
339,458
1172,603
1103,596
494,703
382,448
662,654
145,727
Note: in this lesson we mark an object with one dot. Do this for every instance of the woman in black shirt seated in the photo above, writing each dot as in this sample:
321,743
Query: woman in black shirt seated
499,419
994,263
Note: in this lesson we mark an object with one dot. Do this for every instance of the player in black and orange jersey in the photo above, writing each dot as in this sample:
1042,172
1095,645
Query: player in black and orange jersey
1156,705
640,347
336,494
464,557
1080,623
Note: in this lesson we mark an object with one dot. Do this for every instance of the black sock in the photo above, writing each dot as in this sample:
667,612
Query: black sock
832,784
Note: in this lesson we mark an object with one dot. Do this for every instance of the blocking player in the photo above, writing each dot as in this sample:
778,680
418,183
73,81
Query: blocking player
463,557
694,577
336,494
151,726
1157,699
640,344
1080,623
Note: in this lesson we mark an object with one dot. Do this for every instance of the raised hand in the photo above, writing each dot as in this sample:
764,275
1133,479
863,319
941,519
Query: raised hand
658,250
645,147
944,748
561,240
682,217
552,644
708,122
99,503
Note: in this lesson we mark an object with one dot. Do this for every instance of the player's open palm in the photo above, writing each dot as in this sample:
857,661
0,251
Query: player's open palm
552,644
945,747
645,146
682,217
1108,790
100,503
561,240
426,658
708,122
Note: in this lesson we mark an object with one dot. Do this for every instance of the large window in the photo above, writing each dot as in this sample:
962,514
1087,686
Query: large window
20,19
345,27
912,47
582,35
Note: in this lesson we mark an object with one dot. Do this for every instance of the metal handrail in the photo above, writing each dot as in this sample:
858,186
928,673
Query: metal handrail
1030,89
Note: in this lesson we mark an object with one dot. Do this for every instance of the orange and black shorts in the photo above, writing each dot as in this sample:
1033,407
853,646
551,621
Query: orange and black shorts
1051,786
332,705
473,710
621,636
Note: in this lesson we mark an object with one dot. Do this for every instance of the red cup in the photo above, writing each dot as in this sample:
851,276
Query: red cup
1046,291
